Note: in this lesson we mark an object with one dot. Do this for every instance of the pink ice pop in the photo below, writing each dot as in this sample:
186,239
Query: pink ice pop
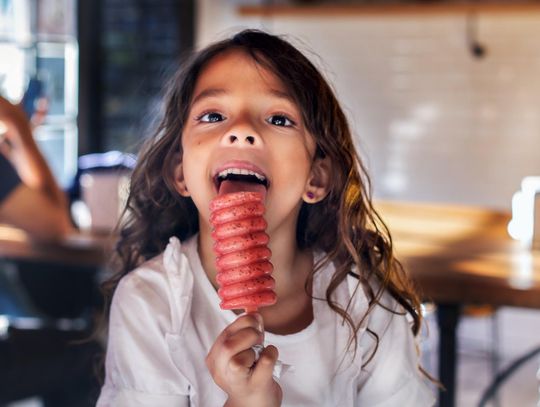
242,255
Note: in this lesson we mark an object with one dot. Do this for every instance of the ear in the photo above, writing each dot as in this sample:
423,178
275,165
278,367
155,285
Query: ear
317,186
179,180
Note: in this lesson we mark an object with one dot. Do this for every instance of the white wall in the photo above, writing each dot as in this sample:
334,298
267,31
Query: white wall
433,123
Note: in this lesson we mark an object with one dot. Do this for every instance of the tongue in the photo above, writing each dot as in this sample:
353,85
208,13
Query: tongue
228,187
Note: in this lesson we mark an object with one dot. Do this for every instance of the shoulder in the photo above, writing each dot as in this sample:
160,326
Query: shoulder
145,313
388,311
147,281
355,296
390,356
385,311
158,288
385,325
141,301
156,274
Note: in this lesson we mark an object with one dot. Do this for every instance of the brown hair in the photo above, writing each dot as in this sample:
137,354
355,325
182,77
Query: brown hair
344,225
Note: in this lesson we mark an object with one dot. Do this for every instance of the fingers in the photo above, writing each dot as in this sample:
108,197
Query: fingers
242,340
253,320
247,321
265,365
242,362
228,350
233,363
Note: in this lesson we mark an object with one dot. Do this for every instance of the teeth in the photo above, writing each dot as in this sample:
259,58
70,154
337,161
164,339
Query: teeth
240,171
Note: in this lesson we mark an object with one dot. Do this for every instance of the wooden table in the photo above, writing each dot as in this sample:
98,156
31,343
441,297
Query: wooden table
80,257
80,248
460,256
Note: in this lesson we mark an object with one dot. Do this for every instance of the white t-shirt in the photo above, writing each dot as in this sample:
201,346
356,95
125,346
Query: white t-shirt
165,316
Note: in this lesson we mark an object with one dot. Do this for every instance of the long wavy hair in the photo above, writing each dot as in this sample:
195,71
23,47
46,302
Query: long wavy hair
344,225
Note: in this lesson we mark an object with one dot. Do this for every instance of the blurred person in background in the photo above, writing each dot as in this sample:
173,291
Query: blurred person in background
53,365
29,195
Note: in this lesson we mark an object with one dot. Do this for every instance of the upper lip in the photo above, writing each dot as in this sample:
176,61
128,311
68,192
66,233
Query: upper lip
240,165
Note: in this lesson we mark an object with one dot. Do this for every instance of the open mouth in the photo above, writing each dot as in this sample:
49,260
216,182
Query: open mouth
239,179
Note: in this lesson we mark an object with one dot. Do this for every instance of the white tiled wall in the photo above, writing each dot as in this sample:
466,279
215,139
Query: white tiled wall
433,123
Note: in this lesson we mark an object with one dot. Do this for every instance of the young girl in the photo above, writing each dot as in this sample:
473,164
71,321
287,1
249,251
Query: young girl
346,316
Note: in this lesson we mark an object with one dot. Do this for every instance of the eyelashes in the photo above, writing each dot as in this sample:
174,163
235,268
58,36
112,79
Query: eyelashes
279,119
210,117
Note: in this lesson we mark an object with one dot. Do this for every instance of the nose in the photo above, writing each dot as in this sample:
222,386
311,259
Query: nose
242,136
246,139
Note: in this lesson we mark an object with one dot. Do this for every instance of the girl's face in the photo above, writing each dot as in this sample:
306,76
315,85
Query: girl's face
242,117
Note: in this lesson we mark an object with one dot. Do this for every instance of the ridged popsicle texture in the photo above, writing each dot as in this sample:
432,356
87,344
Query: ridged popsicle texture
242,255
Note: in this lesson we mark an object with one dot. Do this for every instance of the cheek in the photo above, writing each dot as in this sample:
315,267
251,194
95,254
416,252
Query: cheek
291,169
194,171
196,183
300,151
193,158
299,155
188,171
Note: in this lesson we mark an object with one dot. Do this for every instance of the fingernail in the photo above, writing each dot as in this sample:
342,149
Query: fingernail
260,320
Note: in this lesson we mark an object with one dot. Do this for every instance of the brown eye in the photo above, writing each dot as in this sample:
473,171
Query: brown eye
211,117
280,120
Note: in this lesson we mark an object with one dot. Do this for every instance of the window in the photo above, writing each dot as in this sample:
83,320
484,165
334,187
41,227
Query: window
38,39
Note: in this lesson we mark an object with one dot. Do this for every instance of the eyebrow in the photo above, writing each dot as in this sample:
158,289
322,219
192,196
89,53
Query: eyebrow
207,93
211,92
282,95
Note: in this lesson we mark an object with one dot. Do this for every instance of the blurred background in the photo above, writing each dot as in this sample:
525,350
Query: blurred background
443,101
443,98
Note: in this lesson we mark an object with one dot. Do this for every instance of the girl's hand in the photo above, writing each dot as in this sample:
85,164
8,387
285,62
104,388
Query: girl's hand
231,362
